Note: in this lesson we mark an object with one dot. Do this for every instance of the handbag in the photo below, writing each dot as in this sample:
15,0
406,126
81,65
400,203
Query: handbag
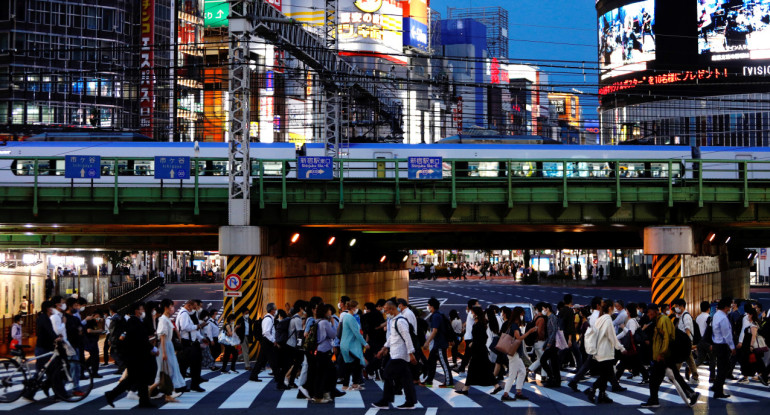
166,385
761,346
224,339
561,341
508,344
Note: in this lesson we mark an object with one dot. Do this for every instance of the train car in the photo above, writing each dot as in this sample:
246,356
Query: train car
491,160
724,166
497,139
17,164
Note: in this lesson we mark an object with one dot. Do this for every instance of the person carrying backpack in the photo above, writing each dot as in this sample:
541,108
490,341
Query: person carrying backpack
438,341
702,339
686,324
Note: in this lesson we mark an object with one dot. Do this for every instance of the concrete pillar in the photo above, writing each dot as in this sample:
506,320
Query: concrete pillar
667,244
243,246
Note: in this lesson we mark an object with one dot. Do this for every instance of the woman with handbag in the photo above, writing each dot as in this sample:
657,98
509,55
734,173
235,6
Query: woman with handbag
480,368
517,372
751,350
169,378
229,340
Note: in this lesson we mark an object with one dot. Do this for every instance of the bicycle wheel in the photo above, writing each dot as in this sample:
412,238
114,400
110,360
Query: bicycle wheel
72,382
12,380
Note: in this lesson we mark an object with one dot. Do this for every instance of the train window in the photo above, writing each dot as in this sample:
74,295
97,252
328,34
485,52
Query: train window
144,167
631,169
660,170
27,167
218,168
523,168
273,168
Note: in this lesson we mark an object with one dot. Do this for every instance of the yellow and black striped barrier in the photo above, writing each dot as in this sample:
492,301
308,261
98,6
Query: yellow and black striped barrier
667,282
249,269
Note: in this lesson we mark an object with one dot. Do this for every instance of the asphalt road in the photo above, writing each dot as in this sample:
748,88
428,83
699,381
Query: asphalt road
234,394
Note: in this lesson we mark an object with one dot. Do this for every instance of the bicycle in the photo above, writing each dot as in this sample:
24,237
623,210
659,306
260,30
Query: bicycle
70,380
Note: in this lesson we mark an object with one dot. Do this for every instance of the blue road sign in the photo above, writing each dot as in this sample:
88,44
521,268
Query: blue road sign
167,167
425,168
82,167
315,168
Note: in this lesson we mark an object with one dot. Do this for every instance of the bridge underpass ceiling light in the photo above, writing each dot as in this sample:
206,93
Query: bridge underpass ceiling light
728,239
712,235
406,258
29,259
384,257
295,238
331,240
352,242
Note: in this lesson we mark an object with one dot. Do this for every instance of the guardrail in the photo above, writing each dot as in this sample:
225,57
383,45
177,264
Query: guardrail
211,173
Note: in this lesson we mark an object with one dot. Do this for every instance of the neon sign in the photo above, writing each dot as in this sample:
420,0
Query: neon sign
665,79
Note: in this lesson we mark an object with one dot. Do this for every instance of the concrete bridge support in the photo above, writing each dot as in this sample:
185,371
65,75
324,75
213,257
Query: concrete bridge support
667,245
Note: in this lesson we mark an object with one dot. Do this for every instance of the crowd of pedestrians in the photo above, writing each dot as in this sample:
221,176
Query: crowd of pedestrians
323,351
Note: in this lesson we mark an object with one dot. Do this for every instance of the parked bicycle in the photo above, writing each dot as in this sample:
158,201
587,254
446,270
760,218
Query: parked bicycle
69,378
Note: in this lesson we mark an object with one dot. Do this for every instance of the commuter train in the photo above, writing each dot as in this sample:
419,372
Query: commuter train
469,160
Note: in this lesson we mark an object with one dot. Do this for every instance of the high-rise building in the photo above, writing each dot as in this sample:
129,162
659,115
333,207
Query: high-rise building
67,63
496,21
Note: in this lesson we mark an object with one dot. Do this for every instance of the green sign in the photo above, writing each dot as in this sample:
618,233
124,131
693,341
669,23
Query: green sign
215,13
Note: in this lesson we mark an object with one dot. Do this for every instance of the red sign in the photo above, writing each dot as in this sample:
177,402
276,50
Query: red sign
275,3
665,79
146,65
495,71
233,282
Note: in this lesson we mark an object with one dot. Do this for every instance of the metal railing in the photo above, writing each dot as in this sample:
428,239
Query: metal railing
44,172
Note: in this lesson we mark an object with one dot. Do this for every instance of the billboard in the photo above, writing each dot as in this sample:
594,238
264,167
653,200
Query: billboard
730,30
371,27
146,68
416,24
215,13
627,39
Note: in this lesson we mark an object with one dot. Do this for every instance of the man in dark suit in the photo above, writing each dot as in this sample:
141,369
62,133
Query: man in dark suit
138,353
46,339
244,328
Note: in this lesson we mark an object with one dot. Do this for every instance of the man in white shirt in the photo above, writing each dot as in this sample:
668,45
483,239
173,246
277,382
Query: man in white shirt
704,354
468,337
189,329
622,316
58,319
401,349
267,347
596,306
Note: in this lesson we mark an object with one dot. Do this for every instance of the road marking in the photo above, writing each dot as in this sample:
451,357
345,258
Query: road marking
431,411
289,400
352,399
646,411
21,402
455,400
244,396
188,400
555,396
619,399
398,399
96,393
372,411
511,404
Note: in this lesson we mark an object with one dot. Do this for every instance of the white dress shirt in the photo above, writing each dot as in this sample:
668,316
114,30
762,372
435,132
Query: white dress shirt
468,326
399,342
702,322
268,327
59,327
620,319
187,329
685,323
411,318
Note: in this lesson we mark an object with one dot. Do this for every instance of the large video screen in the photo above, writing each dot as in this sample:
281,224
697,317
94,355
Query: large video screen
627,39
734,29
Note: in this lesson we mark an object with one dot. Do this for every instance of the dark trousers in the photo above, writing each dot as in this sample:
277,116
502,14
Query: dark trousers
722,355
350,370
455,352
604,372
230,353
575,350
550,362
267,354
93,357
135,378
297,357
467,356
582,370
106,350
397,370
192,358
658,372
325,375
438,355
706,355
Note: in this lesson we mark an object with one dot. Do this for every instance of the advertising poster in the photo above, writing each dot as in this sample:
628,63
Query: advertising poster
627,38
416,24
731,30
146,65
371,27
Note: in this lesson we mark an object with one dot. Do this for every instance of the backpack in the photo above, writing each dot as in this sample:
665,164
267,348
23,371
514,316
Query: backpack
117,328
258,336
532,338
446,329
696,336
311,344
707,335
282,331
629,343
681,346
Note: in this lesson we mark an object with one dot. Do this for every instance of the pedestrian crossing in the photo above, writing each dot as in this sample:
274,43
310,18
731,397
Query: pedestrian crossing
422,302
235,392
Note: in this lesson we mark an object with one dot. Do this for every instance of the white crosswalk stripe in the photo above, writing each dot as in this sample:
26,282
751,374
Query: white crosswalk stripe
244,396
422,302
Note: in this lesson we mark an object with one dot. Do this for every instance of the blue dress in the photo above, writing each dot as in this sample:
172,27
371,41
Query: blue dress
166,327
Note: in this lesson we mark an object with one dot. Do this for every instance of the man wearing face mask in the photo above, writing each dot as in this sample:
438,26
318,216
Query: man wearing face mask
46,338
267,347
244,328
140,352
189,329
58,320
685,323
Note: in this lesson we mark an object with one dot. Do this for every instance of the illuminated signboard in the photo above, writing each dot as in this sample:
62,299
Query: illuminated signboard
730,30
416,24
665,79
627,39
215,13
371,27
146,65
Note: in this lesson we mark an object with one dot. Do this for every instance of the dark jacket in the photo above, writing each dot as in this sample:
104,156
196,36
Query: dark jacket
568,321
240,330
45,334
74,331
137,344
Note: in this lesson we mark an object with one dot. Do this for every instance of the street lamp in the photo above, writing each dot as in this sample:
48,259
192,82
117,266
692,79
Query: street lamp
97,261
29,260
